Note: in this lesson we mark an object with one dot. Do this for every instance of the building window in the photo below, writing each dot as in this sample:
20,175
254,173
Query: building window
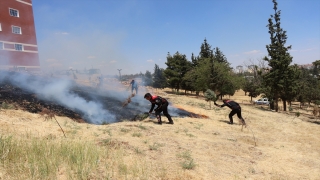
1,46
18,47
0,27
14,12
16,30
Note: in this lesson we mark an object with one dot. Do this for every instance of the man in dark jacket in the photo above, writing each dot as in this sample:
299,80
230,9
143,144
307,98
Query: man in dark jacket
235,109
162,106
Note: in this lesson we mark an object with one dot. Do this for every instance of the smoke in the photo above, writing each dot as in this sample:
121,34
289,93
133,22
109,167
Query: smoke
59,90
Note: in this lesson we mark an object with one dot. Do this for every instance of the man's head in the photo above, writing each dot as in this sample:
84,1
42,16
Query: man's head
147,96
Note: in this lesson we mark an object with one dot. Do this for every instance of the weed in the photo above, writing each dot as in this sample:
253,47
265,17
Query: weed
136,134
142,127
188,134
191,103
202,105
252,170
124,130
198,126
155,146
104,123
123,169
5,105
138,151
234,140
188,162
107,131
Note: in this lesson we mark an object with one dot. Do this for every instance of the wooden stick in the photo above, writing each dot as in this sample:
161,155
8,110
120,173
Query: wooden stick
60,127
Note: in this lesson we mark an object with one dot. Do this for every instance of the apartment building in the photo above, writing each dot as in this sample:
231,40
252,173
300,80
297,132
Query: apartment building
18,43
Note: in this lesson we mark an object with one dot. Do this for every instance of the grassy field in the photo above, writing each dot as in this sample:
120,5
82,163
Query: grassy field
275,145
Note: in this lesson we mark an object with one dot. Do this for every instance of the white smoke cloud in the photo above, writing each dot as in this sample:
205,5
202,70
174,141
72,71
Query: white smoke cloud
59,91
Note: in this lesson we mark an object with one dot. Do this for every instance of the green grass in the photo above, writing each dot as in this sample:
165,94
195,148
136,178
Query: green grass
5,105
187,160
50,158
155,146
41,159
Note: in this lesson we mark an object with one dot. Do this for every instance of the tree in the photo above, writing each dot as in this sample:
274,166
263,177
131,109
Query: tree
210,96
148,78
177,67
291,86
159,80
316,68
279,58
220,57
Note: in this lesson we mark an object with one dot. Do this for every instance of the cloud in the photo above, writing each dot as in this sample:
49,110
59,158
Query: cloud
51,60
252,52
62,33
309,49
91,57
234,55
113,61
150,61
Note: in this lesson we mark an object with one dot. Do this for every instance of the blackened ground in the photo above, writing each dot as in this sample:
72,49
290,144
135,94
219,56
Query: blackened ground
29,101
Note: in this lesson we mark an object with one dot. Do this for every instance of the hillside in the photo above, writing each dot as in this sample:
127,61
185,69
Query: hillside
273,146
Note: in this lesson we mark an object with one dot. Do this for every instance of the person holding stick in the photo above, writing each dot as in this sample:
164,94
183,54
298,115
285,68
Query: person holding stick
162,106
134,86
235,109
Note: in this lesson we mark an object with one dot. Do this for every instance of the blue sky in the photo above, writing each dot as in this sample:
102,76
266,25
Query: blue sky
134,35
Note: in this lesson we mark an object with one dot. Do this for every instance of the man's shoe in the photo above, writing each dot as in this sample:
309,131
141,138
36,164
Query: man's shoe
230,123
160,122
170,122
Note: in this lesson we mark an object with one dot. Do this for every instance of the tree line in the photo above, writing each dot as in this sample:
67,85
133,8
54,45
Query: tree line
280,80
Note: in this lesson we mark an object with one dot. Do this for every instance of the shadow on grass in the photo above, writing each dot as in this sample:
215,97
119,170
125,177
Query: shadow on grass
182,93
315,122
263,108
225,121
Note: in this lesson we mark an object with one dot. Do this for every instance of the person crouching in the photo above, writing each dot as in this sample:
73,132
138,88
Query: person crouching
235,109
162,106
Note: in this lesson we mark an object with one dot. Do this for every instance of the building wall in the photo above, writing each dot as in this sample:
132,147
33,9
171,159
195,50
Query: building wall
28,58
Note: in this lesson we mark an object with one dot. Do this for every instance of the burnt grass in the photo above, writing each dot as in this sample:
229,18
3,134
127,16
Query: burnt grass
31,102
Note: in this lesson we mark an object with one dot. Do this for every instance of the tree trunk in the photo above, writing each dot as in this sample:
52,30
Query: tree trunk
197,93
276,102
284,105
272,105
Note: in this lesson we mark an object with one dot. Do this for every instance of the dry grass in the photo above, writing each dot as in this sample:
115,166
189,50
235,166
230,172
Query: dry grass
283,146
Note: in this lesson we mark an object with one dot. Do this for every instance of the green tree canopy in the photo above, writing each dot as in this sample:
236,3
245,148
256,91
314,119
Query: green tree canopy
279,59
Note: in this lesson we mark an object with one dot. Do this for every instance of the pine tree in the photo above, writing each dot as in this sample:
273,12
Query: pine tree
159,80
148,78
177,67
279,60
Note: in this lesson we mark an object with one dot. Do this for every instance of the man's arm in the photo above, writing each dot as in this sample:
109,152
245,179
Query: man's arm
159,103
219,105
152,107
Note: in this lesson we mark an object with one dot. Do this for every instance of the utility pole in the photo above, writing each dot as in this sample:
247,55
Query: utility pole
120,73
